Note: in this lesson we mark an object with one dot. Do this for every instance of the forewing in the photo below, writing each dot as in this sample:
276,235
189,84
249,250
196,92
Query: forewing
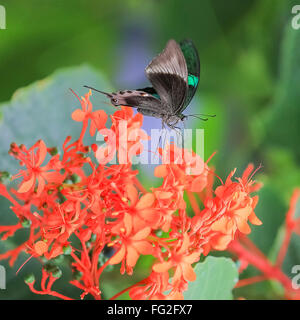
151,91
193,65
136,99
168,74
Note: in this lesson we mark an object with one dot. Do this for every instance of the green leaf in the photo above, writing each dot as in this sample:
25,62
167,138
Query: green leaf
216,278
282,126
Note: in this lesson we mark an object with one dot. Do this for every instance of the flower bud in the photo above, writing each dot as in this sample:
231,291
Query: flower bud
75,178
67,250
53,151
5,177
56,273
29,278
26,223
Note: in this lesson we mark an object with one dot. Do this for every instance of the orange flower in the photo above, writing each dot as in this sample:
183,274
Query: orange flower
111,216
40,247
232,208
98,117
181,259
132,245
152,288
141,212
182,169
33,161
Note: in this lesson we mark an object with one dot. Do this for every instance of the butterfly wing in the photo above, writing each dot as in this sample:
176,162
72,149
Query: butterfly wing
145,99
151,91
168,74
193,65
137,99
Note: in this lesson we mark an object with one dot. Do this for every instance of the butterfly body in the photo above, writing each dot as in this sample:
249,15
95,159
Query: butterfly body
174,75
141,99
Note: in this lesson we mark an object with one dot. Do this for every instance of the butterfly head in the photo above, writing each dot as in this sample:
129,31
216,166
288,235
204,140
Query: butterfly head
114,100
172,120
114,97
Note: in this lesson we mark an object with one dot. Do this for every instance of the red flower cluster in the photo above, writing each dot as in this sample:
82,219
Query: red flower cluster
84,208
249,254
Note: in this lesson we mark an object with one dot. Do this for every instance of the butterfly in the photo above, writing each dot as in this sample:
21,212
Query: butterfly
174,75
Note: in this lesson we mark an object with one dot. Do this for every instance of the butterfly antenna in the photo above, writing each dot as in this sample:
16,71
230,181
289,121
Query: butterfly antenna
202,114
107,103
195,116
107,94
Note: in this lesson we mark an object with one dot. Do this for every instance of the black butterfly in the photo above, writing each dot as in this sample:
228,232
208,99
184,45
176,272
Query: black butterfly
174,74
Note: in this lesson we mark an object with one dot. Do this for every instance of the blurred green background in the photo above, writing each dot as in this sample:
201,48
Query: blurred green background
250,78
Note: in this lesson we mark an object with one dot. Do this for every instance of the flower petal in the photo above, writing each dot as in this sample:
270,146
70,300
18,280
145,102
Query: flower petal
161,171
127,223
199,183
150,215
41,185
254,220
42,152
27,185
188,272
132,256
142,234
119,256
78,115
99,119
162,195
193,257
162,267
132,194
146,201
242,225
143,247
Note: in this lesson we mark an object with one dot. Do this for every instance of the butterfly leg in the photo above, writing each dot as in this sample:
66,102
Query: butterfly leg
179,134
160,139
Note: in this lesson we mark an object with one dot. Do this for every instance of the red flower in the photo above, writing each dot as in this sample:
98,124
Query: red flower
181,259
183,169
231,210
32,160
152,288
131,246
101,215
98,118
141,212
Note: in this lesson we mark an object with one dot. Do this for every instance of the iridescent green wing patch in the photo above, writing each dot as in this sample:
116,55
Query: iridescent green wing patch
192,80
193,65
